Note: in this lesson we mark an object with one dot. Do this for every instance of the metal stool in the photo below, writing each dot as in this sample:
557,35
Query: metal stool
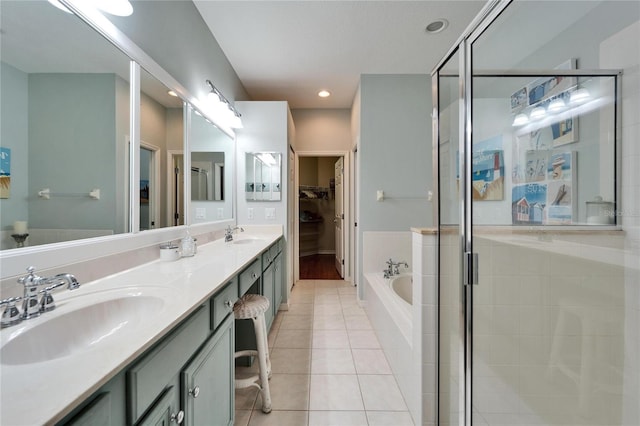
253,306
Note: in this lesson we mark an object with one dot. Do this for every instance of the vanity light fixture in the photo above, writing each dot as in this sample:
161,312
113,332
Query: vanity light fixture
172,93
324,93
221,109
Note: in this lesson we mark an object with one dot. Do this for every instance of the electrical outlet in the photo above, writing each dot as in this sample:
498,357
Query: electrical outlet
250,213
220,212
201,213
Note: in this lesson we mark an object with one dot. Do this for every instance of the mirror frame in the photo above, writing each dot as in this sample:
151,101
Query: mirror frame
46,256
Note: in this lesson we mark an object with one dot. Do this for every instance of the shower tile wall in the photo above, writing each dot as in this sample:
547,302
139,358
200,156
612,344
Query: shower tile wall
548,321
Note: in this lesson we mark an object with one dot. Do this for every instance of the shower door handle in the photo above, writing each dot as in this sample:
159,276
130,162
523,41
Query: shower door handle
470,268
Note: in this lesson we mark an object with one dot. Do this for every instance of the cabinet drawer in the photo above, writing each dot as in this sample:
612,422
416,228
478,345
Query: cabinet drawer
222,303
267,258
249,276
149,376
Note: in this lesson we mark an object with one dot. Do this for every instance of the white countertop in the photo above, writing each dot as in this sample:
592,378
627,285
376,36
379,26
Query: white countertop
44,392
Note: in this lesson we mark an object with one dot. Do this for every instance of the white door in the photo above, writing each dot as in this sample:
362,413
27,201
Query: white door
339,216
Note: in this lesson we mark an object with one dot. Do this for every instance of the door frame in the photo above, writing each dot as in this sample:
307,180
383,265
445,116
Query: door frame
348,220
154,174
171,187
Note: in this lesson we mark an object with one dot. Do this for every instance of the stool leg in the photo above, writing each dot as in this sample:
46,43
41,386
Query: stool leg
263,353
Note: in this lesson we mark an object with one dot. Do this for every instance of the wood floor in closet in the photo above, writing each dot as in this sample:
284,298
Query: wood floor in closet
318,267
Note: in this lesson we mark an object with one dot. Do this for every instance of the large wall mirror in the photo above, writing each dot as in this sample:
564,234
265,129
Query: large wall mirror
263,176
65,128
211,171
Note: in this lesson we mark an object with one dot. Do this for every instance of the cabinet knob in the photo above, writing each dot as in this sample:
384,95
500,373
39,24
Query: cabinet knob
229,304
177,418
194,392
254,275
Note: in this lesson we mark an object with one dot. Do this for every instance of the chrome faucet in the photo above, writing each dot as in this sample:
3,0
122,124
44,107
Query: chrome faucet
393,268
31,306
228,233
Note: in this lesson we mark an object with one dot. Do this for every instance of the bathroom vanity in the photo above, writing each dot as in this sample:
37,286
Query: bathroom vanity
153,345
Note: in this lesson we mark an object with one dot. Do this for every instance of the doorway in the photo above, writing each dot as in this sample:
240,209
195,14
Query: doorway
149,186
321,236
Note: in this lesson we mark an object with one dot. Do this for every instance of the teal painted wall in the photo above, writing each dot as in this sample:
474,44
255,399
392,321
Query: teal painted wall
72,149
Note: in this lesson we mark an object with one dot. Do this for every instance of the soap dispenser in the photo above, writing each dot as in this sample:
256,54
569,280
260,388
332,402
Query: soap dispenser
188,245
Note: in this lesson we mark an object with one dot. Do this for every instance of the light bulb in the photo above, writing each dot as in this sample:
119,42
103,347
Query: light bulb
579,96
213,97
520,120
556,105
537,113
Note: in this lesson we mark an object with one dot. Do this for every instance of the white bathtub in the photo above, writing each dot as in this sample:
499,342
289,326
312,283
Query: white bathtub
402,285
394,295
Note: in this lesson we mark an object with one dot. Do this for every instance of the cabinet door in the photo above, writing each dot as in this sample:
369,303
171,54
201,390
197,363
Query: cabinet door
165,412
207,382
267,291
278,277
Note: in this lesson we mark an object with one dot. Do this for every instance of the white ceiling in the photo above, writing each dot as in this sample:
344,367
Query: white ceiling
289,50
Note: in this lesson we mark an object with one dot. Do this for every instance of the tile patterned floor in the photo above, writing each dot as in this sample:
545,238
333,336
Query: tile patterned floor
327,365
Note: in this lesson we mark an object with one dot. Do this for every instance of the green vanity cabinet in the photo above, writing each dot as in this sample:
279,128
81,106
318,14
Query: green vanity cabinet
187,377
206,380
267,291
278,282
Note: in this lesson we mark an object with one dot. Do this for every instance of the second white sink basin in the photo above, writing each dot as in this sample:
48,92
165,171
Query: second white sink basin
78,330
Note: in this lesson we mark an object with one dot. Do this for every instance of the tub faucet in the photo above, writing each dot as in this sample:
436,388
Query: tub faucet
31,306
396,271
393,268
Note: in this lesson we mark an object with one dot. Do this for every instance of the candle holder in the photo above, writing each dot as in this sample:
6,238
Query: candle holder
20,239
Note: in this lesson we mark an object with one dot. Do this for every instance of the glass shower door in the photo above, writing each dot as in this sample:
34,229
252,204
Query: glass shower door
550,309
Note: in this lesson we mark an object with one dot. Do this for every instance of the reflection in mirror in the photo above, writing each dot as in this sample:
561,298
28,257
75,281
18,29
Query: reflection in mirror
262,174
65,124
161,151
211,171
207,176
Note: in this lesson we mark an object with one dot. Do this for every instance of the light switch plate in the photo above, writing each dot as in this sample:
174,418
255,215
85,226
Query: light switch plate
201,213
270,213
220,212
250,213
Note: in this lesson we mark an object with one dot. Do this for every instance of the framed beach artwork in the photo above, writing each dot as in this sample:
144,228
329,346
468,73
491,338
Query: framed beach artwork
546,195
5,172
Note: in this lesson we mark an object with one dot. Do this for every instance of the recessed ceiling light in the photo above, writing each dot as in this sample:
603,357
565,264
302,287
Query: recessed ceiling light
172,93
324,94
437,26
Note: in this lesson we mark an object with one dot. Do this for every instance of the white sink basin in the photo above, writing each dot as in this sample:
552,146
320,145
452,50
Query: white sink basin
78,330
